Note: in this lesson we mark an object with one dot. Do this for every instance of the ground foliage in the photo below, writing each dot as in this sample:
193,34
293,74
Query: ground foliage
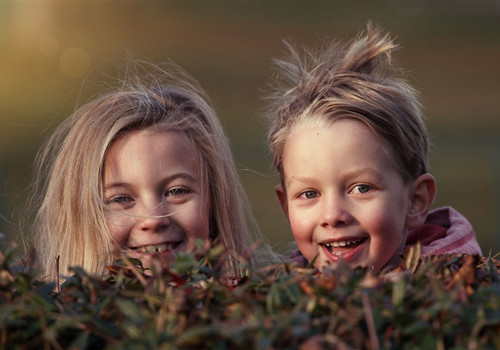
450,301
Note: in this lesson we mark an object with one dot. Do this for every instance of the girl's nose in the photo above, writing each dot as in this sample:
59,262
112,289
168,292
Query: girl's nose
154,218
335,212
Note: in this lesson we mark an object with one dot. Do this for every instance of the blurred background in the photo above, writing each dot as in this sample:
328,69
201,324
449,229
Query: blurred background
450,48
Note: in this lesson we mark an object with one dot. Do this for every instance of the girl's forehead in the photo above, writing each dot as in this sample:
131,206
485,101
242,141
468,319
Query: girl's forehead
144,154
147,141
152,134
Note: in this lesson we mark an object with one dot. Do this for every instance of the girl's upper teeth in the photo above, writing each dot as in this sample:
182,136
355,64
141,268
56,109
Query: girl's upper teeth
345,243
156,248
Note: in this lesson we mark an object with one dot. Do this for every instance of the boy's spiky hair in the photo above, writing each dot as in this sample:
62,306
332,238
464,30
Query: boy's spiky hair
357,80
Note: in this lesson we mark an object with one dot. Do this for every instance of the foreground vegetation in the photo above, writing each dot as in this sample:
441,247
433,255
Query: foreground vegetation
440,302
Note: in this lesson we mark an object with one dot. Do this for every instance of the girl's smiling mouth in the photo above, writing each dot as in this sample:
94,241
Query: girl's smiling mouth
156,248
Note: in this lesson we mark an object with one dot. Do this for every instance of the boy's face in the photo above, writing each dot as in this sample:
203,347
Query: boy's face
343,196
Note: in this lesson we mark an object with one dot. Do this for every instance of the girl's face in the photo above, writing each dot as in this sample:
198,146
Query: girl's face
154,195
342,195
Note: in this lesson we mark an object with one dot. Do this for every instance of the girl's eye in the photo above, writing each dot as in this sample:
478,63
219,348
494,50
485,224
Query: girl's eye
361,189
119,201
309,194
177,195
178,191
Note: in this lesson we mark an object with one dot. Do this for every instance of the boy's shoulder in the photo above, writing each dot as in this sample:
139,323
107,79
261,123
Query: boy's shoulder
296,257
445,231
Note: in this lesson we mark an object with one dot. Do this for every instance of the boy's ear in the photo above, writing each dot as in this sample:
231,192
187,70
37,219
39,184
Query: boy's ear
422,196
281,193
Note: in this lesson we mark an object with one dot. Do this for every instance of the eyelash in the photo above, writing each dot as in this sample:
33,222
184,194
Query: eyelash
366,187
171,192
178,191
118,199
305,193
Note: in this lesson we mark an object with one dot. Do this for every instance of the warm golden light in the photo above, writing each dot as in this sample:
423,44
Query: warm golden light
74,63
49,45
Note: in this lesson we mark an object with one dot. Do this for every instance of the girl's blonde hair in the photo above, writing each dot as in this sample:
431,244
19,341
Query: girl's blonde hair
68,190
358,80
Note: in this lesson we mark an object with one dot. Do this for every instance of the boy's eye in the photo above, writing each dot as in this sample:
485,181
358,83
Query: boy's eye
309,194
361,189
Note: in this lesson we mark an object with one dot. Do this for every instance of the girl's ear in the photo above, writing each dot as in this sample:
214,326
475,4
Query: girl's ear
422,196
281,193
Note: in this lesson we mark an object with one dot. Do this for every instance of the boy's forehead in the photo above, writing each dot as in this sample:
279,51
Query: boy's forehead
320,124
308,119
351,139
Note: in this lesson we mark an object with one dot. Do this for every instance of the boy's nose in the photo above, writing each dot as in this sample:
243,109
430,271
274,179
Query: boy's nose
334,212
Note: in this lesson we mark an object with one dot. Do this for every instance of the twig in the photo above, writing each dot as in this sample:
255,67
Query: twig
58,288
367,310
137,274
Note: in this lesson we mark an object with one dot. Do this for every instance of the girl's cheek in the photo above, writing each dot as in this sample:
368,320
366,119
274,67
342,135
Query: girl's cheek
118,230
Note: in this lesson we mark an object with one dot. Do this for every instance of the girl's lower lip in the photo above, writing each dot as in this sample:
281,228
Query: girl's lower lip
348,255
169,247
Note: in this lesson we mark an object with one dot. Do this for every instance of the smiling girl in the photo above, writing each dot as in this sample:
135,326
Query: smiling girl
144,170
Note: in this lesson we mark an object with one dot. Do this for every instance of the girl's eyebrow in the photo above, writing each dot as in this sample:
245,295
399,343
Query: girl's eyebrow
167,179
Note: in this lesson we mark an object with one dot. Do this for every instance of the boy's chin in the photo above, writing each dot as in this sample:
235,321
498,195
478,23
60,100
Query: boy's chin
379,266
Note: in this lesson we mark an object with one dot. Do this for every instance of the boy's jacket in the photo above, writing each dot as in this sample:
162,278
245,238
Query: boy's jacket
445,231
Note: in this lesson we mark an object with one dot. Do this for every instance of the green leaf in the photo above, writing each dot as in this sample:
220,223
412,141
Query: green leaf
130,310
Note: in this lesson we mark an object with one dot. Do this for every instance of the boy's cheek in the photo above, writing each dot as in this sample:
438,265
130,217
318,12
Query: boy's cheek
299,230
303,235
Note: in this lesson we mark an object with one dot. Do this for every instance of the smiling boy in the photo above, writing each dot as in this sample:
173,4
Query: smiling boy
350,144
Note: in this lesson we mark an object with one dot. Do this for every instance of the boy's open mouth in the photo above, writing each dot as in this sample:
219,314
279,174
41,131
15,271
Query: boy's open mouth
339,248
157,248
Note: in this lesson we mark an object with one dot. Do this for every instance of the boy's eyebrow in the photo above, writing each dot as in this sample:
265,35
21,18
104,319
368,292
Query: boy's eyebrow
352,174
167,179
363,171
305,179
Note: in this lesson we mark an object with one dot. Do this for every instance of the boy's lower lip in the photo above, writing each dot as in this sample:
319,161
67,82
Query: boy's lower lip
346,254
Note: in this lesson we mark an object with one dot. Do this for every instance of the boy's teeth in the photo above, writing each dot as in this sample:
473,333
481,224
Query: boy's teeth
345,243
